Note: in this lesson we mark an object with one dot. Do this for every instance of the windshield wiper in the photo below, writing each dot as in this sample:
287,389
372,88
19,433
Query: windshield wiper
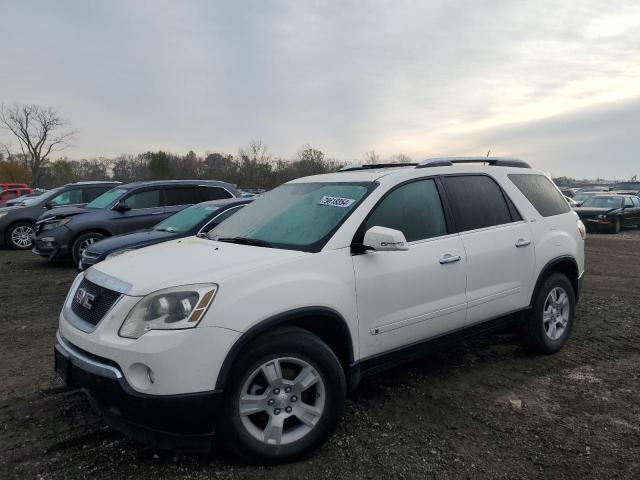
168,229
246,241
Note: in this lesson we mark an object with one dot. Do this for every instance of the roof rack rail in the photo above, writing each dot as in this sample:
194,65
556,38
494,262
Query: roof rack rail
348,168
493,161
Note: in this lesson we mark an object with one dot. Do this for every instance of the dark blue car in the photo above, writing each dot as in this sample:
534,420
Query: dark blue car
195,220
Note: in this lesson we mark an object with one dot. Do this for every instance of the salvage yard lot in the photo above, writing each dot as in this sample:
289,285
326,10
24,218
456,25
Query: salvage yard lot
485,409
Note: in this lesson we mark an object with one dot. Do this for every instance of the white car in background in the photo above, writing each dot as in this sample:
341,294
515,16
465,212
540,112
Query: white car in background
260,331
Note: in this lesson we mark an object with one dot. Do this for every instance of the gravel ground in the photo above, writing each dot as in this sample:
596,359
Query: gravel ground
485,409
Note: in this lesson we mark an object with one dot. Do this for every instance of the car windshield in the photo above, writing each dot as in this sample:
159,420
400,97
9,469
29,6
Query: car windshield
581,197
604,202
107,198
297,216
186,219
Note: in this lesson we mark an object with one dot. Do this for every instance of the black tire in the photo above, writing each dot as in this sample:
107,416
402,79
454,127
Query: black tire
282,343
15,229
616,226
536,330
80,242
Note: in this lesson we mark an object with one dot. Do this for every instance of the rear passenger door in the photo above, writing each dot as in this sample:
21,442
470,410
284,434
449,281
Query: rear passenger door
404,297
498,245
146,209
180,197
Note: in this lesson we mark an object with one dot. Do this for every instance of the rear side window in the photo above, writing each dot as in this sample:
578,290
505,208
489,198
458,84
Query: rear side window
182,196
542,194
214,193
92,193
636,201
146,199
70,197
415,209
478,202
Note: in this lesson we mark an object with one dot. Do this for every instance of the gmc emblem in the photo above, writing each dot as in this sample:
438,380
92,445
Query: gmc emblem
85,298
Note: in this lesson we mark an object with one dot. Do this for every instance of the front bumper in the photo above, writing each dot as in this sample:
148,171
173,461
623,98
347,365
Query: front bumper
176,422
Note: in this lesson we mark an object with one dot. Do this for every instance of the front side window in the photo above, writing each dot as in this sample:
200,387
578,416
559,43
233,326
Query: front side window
181,196
297,216
636,201
70,197
415,209
478,202
628,202
91,193
186,219
107,198
542,193
145,199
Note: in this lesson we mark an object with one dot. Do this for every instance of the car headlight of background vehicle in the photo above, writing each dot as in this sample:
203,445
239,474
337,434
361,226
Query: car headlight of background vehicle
169,309
118,252
55,223
602,217
2,214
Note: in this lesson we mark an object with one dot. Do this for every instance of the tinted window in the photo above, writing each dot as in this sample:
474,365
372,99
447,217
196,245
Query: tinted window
628,202
146,199
70,197
107,198
92,193
214,193
477,202
181,196
415,209
542,194
603,202
636,201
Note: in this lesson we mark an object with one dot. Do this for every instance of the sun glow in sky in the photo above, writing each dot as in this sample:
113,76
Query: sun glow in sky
556,83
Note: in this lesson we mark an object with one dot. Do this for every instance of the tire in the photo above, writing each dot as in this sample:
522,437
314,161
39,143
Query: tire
548,327
321,404
19,236
82,242
616,226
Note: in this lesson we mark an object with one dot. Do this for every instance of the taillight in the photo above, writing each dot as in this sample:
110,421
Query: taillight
582,229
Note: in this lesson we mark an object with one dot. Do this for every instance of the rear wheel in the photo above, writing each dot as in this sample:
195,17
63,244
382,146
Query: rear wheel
82,242
549,323
285,399
19,236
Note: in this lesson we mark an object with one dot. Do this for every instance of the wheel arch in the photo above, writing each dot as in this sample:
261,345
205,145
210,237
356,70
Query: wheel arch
324,322
568,266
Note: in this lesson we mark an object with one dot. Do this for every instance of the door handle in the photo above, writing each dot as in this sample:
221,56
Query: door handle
522,242
448,258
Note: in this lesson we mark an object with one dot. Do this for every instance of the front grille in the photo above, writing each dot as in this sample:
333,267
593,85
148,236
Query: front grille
89,258
97,301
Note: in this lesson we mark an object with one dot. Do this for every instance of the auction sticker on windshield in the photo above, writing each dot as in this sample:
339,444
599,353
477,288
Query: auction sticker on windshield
336,201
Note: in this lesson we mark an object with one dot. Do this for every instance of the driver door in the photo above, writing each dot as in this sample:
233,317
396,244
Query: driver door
404,297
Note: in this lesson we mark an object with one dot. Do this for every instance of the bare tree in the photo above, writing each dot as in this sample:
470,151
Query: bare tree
371,157
40,131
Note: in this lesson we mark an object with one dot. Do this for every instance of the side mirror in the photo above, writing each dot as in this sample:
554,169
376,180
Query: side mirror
385,239
48,205
121,207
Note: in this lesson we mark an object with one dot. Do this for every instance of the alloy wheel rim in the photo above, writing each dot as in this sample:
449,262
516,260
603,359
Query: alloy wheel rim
22,236
555,314
86,244
282,401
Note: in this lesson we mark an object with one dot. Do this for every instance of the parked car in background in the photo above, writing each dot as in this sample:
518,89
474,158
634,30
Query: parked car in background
582,196
9,185
12,194
66,232
572,203
18,201
194,220
260,330
17,223
610,212
594,188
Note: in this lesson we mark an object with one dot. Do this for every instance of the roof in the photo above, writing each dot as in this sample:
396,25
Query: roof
226,201
177,182
93,182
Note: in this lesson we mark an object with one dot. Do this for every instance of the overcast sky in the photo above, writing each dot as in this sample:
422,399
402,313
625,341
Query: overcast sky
556,83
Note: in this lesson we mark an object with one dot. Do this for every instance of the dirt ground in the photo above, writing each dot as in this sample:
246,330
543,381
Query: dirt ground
485,409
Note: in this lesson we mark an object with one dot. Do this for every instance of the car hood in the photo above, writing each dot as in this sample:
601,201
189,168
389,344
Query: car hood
10,208
62,212
182,262
132,240
591,211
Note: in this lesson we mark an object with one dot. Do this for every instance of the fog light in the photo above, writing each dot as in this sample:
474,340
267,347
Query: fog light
48,241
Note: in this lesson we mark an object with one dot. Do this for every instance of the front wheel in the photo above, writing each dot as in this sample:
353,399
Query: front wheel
83,242
549,323
20,236
285,399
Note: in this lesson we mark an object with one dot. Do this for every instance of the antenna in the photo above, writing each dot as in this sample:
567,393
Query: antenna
488,152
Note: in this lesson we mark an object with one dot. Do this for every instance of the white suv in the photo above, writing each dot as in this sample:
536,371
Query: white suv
260,330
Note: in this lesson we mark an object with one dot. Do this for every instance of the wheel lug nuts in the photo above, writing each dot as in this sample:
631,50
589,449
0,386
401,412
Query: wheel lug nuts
288,389
271,401
288,409
294,399
276,391
277,411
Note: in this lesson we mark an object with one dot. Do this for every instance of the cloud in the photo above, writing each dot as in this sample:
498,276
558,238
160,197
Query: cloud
347,77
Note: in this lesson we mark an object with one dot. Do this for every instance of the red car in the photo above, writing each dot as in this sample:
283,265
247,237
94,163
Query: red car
10,185
11,193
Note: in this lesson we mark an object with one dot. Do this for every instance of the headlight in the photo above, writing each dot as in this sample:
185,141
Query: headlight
2,214
602,217
169,309
55,223
118,252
